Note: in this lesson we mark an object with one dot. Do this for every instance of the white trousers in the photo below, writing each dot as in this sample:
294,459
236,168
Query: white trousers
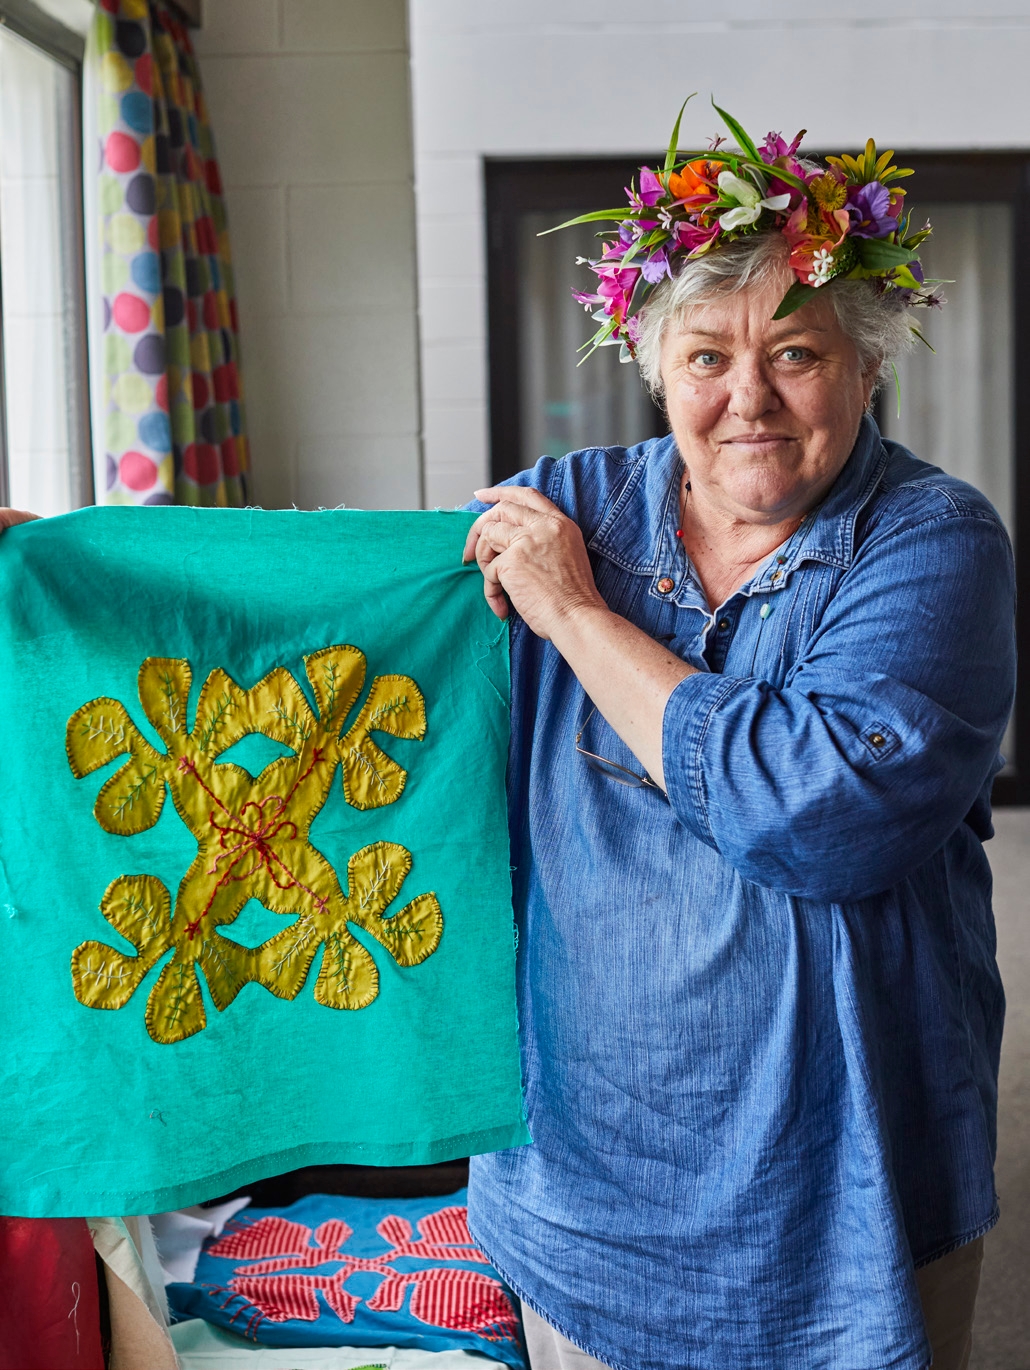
947,1288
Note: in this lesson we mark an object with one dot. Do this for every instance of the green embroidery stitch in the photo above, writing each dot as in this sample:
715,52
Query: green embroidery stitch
252,838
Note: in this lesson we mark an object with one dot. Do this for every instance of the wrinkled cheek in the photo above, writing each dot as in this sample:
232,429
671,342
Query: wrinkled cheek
694,412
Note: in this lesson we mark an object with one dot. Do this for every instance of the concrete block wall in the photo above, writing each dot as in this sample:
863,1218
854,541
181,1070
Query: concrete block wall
311,112
598,77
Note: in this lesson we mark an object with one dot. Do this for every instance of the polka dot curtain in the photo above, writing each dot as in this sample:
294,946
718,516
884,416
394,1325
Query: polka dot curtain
173,422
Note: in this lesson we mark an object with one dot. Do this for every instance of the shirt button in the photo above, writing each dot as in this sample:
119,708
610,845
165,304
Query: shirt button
665,585
724,623
877,739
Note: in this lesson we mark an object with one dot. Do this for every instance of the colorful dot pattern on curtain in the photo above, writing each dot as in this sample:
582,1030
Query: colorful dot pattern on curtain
174,421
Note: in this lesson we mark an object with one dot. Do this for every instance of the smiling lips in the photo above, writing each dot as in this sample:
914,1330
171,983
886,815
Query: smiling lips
757,439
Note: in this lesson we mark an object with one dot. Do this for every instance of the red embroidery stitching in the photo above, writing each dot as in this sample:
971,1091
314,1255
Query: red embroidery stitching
459,1299
253,838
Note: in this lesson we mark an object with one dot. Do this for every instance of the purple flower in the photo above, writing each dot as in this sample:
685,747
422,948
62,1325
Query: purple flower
650,192
655,266
869,210
775,146
651,189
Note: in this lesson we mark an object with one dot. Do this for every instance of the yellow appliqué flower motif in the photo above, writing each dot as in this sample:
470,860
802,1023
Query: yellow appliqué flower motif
252,838
828,191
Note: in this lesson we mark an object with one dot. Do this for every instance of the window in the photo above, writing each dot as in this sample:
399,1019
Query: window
967,409
44,435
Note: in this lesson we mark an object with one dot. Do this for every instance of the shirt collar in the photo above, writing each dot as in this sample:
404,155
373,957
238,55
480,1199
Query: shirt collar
638,531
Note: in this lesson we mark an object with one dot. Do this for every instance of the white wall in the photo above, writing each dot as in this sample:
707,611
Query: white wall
532,77
310,106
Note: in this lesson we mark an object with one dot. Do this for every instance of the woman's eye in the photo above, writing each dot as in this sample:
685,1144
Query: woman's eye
707,359
794,354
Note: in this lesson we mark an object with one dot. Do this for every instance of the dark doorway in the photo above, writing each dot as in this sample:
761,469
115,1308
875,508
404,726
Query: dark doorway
967,409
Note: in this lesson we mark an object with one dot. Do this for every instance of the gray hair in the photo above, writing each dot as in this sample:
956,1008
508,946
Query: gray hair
876,324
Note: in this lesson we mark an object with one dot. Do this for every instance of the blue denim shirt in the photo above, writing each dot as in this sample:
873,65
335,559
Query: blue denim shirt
761,1018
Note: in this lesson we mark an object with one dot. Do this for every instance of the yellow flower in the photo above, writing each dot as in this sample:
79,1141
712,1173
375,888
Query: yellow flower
828,191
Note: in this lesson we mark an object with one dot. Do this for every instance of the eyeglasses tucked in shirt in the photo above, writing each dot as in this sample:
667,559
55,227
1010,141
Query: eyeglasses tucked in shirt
621,774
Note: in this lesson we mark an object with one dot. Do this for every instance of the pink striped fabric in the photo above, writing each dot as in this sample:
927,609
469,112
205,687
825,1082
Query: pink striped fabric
442,1296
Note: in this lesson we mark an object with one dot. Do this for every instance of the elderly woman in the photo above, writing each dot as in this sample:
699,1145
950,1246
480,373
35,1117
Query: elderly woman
761,671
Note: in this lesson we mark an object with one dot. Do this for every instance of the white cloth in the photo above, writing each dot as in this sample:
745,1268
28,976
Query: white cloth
549,1350
137,1307
203,1347
179,1236
119,1243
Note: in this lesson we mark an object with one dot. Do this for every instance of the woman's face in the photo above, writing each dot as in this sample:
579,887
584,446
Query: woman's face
765,413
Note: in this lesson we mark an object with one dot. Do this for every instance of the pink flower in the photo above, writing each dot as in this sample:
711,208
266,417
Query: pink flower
651,189
615,285
616,288
779,187
775,147
694,237
776,151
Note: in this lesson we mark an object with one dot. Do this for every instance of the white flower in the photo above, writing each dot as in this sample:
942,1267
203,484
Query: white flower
749,201
822,267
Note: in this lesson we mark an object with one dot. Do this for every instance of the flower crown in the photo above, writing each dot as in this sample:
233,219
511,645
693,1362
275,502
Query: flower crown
847,220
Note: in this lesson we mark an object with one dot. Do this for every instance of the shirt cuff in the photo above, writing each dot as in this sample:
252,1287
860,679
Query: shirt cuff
689,713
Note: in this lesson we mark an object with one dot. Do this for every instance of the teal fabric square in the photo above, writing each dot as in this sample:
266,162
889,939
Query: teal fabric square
254,878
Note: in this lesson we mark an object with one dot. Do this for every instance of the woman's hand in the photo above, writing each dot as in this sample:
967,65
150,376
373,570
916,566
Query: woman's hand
528,550
9,517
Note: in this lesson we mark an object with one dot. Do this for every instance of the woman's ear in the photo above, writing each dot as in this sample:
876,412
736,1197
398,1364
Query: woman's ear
869,378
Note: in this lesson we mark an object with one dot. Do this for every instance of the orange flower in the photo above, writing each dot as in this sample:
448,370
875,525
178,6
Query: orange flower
693,182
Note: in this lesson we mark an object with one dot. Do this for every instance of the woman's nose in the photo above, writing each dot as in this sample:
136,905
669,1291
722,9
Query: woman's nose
751,394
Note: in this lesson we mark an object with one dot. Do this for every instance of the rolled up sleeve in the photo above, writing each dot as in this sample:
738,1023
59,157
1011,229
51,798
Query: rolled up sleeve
857,770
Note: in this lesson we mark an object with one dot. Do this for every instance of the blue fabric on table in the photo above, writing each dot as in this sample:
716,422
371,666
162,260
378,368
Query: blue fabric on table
760,1019
334,1271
